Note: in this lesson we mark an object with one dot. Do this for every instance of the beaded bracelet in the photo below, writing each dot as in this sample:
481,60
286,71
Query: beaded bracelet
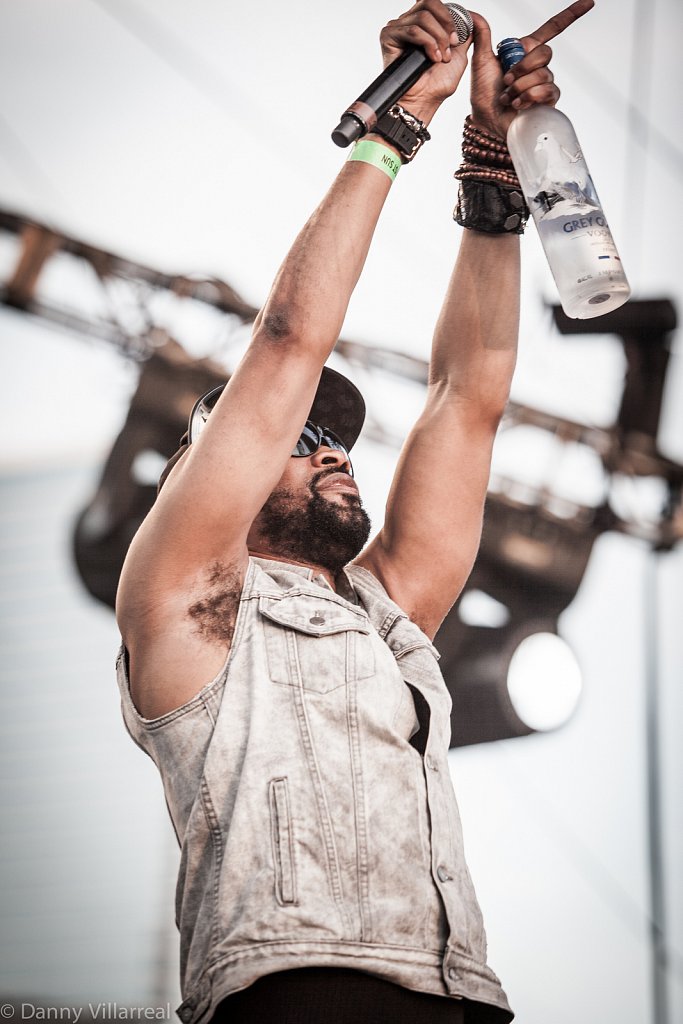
485,157
479,136
490,197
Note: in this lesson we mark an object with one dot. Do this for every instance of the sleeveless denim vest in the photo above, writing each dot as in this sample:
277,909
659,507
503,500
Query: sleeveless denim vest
309,788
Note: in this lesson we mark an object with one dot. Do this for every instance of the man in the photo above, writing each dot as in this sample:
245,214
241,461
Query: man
280,674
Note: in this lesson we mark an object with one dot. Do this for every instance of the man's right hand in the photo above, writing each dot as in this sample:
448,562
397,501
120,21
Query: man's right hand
428,24
191,551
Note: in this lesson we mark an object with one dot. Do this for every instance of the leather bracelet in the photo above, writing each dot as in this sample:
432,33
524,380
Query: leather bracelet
404,131
490,207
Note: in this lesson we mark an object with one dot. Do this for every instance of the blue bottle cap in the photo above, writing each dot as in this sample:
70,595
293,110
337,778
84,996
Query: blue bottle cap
510,52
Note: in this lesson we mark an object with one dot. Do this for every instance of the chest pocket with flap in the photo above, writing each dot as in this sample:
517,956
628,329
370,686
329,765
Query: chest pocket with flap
315,643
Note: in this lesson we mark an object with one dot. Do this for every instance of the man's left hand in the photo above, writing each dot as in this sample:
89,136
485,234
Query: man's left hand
496,99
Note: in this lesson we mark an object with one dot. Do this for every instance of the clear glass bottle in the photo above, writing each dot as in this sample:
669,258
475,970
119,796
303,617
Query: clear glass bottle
564,204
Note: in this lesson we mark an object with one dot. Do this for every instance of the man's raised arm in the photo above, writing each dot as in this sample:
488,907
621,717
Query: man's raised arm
426,548
196,533
215,491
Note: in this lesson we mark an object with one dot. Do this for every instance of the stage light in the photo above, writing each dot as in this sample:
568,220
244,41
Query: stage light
169,383
511,680
544,681
507,670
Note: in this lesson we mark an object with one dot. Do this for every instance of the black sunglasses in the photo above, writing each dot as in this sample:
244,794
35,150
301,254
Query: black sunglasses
312,436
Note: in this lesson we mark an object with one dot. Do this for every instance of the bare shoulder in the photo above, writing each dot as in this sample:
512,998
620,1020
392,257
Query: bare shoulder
178,636
411,591
426,547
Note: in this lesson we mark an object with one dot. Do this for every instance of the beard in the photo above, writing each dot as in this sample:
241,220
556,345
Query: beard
312,529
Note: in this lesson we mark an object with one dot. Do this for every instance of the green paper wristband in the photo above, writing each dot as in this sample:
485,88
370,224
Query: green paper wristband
369,152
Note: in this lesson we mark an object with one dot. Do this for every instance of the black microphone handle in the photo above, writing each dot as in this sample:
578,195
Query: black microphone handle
396,79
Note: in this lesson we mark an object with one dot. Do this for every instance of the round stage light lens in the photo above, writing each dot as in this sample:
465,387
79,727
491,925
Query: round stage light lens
544,681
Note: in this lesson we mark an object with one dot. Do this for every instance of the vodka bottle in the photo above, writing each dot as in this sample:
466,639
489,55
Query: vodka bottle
564,204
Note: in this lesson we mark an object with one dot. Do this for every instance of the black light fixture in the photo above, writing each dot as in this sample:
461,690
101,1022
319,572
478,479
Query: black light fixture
508,671
512,680
169,383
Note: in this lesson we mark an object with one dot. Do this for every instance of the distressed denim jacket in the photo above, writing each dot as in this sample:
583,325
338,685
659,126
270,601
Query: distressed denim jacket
309,788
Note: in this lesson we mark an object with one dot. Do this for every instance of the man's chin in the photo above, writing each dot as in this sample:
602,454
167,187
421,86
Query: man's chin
329,529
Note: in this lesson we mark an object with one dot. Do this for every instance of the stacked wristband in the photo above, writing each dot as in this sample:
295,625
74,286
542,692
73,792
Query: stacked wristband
490,197
403,130
485,158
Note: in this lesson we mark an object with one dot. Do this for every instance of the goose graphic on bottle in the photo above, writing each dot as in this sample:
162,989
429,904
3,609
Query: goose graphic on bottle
564,179
565,206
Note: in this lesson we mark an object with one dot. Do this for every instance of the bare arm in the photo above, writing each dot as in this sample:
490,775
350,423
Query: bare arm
426,548
214,493
424,552
193,541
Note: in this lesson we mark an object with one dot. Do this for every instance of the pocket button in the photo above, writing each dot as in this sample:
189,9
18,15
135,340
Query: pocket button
317,619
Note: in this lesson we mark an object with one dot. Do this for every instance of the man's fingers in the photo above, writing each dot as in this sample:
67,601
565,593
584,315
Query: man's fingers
441,13
481,34
537,58
551,28
538,53
419,27
428,24
538,87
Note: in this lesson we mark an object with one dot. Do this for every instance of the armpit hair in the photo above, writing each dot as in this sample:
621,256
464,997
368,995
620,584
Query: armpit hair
215,614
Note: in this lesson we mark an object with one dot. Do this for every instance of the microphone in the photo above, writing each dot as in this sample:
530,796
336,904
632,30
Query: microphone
397,78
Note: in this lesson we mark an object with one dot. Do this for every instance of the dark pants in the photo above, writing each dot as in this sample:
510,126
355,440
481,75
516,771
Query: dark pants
331,995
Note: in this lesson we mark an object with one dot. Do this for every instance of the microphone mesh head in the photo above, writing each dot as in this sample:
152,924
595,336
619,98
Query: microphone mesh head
462,21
